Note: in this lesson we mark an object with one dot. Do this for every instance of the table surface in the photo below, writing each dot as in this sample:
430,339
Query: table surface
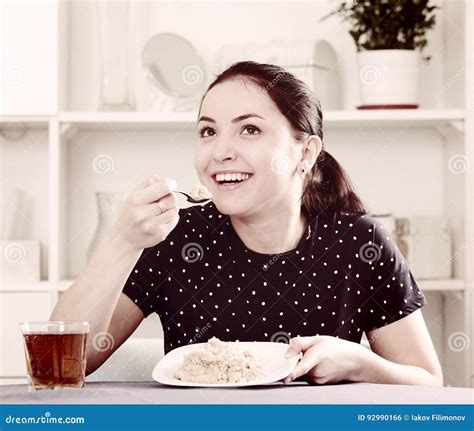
278,393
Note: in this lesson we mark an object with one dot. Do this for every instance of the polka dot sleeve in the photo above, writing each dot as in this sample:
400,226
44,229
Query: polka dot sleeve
144,280
394,292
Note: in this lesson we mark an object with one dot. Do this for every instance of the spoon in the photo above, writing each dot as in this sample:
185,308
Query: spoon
192,200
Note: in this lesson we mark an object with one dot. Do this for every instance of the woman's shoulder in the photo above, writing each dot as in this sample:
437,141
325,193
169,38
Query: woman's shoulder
341,220
349,228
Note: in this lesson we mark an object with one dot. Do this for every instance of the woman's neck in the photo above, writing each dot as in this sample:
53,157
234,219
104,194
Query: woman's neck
271,234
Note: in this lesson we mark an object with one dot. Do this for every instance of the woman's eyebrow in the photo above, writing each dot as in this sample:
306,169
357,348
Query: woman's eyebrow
235,120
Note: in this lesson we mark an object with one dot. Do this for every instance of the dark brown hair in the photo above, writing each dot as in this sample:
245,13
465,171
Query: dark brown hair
327,187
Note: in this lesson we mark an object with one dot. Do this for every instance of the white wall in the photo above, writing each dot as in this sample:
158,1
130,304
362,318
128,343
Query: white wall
209,25
28,57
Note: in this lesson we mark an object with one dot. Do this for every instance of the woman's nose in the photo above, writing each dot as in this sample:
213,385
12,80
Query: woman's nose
223,151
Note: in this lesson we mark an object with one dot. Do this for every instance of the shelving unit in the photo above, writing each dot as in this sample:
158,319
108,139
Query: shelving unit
26,121
332,119
73,138
26,286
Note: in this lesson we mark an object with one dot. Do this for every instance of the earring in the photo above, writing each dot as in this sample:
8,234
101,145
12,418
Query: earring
303,174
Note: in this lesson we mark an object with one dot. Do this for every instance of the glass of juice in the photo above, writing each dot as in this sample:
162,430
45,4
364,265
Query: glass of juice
55,353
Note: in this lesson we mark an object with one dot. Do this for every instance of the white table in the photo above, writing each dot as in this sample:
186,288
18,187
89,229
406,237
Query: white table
278,393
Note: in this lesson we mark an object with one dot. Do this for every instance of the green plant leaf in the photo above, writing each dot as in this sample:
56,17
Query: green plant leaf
387,24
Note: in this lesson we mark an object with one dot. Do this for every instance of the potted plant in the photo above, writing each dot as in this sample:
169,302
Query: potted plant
389,36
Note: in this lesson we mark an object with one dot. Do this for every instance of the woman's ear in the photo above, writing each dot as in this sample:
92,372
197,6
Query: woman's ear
311,150
315,146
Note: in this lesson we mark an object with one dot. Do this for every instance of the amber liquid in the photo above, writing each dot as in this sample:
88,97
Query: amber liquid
56,359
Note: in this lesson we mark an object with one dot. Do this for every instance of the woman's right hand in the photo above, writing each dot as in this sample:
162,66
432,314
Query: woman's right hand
141,222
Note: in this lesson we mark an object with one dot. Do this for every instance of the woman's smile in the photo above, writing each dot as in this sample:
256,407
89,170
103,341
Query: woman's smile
230,180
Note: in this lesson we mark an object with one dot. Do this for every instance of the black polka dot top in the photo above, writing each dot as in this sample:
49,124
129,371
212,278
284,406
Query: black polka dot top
345,276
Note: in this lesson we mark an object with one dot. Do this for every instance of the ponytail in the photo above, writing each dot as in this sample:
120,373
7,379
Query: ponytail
327,188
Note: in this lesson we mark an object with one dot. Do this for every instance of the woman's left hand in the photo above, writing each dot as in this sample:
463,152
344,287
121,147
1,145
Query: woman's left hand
325,359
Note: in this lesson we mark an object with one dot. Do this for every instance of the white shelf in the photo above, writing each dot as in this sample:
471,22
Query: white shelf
333,119
452,284
64,285
351,118
25,286
395,117
99,120
24,118
24,121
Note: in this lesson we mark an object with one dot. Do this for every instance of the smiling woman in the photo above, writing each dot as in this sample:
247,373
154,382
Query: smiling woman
284,116
285,250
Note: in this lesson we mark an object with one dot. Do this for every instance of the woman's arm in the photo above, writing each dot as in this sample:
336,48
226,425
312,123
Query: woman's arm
93,297
402,353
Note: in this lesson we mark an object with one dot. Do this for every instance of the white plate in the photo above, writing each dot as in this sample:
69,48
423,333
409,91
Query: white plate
272,356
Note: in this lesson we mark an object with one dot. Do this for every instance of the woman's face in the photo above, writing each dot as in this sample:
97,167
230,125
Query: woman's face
247,155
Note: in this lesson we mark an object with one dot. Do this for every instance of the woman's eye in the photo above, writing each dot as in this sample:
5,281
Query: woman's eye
203,133
251,129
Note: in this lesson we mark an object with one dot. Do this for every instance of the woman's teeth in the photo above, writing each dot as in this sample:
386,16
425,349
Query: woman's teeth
233,177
